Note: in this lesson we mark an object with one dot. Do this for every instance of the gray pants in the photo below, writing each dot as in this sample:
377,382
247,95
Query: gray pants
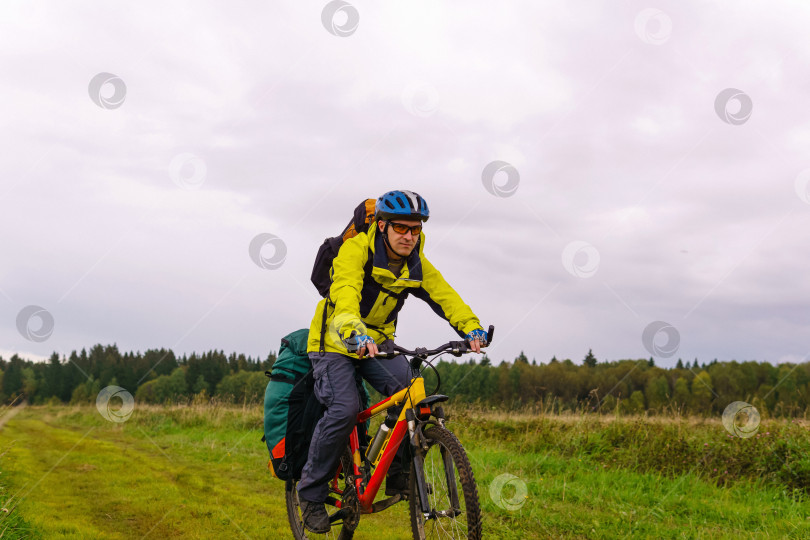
336,389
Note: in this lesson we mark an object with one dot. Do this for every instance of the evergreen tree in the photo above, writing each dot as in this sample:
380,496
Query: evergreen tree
13,377
590,359
52,378
268,363
679,365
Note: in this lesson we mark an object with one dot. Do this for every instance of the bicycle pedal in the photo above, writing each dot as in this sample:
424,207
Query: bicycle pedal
339,515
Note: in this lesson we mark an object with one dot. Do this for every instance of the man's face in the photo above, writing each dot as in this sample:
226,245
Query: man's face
401,243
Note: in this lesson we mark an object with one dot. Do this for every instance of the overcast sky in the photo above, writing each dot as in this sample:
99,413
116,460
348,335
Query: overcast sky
651,160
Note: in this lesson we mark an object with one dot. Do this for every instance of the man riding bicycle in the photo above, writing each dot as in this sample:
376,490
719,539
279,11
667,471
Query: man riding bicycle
371,276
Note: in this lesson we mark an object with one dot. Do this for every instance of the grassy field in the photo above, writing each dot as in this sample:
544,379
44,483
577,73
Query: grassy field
200,472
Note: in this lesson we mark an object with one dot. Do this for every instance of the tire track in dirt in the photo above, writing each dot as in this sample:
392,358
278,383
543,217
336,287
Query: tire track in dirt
11,413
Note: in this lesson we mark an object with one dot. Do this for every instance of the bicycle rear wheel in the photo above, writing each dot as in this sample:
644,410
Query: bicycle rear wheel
451,491
342,529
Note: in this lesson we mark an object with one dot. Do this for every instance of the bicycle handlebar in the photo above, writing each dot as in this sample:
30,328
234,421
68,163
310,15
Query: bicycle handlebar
456,348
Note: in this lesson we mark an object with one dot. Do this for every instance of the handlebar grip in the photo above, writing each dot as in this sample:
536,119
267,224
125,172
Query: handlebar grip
490,333
387,347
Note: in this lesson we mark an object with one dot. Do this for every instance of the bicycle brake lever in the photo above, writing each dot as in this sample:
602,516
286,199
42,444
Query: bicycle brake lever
457,348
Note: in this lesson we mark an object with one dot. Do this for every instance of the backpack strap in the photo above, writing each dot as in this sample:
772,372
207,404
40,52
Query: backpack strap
368,280
322,348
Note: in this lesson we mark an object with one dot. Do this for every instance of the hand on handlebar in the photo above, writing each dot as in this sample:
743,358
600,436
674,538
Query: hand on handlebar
477,339
361,344
372,350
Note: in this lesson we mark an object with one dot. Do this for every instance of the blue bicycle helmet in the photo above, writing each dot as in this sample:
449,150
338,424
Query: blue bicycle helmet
402,204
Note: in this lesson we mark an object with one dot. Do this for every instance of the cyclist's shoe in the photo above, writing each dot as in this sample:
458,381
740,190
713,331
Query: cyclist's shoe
397,484
315,518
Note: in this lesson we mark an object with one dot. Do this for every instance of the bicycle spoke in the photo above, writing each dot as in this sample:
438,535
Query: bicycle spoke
448,510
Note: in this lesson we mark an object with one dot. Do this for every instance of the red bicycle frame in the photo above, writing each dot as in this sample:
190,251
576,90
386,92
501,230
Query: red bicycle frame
409,396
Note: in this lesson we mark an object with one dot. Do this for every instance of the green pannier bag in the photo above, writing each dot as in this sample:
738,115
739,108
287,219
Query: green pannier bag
291,409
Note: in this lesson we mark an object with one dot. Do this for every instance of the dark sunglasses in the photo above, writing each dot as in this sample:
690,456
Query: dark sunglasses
401,228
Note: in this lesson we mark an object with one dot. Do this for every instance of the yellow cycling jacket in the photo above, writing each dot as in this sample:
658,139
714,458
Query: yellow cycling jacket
366,296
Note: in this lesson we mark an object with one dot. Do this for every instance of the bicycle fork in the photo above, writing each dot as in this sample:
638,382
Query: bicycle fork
416,439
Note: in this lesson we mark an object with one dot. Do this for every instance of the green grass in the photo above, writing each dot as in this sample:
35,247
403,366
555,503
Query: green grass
200,472
12,524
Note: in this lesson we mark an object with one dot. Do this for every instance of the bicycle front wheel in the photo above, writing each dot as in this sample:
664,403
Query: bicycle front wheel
452,495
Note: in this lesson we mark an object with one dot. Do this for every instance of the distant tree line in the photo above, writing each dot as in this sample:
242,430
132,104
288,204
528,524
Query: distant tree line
629,386
624,386
155,376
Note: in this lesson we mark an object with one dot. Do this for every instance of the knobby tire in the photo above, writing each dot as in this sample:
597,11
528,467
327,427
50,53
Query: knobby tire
445,451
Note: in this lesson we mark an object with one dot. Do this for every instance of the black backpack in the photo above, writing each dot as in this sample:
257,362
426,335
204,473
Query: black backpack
363,216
